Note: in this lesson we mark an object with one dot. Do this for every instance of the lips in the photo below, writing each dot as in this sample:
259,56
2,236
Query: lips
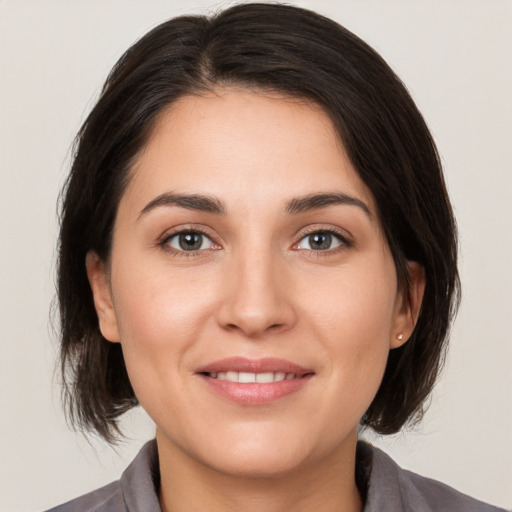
265,365
248,377
254,381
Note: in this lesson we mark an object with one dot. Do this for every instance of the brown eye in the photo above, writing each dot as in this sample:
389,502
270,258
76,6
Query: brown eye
320,241
189,241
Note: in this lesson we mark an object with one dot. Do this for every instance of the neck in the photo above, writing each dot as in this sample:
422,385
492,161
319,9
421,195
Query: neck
326,486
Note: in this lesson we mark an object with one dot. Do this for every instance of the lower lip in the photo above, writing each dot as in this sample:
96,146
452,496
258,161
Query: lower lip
256,393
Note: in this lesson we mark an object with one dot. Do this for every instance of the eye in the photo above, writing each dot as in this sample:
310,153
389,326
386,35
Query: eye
321,241
189,241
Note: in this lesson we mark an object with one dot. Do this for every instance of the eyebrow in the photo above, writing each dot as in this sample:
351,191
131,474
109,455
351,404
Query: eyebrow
208,204
323,200
196,202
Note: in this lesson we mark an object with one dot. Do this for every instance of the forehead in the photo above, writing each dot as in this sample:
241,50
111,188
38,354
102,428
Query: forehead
244,145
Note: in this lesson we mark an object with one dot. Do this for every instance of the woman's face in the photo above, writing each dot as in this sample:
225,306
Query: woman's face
246,248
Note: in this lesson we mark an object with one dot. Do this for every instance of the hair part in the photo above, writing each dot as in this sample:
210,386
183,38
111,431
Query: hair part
295,53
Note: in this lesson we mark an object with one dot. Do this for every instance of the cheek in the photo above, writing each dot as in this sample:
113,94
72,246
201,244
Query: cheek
159,317
354,307
155,305
352,318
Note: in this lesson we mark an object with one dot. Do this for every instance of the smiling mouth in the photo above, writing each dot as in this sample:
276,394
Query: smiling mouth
248,377
254,381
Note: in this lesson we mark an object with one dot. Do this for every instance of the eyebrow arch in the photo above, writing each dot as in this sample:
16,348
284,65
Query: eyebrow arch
194,202
322,200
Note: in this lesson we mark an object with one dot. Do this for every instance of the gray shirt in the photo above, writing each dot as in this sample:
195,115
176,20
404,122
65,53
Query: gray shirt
387,488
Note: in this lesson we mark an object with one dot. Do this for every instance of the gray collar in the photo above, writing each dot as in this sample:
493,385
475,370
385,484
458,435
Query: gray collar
141,480
388,487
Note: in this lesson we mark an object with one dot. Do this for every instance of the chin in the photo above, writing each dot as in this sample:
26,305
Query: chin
258,453
258,463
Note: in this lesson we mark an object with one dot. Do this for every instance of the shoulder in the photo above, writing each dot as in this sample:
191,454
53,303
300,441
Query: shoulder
134,492
440,496
105,499
391,488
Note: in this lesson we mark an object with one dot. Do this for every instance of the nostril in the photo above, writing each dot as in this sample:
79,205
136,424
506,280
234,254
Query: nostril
254,313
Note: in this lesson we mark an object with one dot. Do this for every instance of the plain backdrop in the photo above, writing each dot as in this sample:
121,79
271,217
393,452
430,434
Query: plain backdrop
456,59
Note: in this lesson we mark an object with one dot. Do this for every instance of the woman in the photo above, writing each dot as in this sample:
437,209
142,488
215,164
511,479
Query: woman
272,259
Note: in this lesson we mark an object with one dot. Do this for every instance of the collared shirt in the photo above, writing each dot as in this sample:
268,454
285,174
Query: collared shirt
388,488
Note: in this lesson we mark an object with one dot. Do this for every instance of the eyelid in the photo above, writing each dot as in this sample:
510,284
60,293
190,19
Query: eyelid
204,239
163,240
344,237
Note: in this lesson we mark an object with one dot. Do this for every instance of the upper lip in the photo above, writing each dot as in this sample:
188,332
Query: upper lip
241,364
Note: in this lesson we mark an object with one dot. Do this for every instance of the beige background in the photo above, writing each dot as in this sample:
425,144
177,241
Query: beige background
455,57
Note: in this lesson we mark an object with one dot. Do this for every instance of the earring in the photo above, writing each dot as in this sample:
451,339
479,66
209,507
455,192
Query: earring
400,336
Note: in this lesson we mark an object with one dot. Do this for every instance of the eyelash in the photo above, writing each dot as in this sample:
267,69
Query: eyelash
345,243
164,242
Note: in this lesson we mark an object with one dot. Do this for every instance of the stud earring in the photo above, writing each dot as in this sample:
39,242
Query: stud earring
400,336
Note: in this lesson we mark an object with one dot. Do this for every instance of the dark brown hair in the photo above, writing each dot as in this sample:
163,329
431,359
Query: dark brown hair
294,52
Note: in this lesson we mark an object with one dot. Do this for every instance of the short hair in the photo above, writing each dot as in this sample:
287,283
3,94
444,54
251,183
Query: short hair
296,53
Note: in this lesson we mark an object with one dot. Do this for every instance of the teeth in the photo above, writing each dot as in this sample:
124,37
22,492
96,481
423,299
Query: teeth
247,377
265,377
232,376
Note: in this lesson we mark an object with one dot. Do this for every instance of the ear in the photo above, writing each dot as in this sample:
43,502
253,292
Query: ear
408,306
100,286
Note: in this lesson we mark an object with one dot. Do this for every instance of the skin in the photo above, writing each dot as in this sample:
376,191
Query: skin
256,288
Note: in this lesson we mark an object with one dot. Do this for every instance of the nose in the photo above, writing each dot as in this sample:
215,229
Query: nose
256,298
